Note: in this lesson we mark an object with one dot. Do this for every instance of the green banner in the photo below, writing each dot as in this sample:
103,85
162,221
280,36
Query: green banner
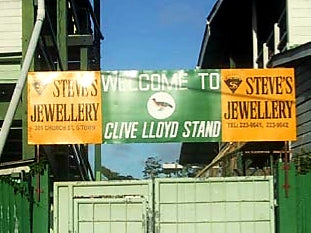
161,106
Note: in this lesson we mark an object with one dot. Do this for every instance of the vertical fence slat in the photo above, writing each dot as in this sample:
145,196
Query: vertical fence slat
1,207
287,220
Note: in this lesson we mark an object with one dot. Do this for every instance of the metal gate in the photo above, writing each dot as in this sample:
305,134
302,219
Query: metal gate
215,205
110,214
93,207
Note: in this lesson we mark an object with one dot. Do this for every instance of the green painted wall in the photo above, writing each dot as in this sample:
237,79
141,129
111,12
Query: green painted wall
20,208
294,211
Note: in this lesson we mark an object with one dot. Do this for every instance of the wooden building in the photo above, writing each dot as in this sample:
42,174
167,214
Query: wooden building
69,40
261,34
66,36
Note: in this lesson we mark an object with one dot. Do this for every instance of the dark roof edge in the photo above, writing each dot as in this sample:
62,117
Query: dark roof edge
209,18
214,11
203,46
290,55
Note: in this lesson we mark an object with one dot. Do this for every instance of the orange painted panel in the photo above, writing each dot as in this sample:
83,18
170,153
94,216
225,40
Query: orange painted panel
64,107
258,105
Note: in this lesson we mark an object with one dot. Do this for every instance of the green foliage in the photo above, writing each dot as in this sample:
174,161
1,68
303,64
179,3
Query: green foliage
302,161
111,175
18,183
153,167
38,167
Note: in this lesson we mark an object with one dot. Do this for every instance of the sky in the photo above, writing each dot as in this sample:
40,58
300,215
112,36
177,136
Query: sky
149,35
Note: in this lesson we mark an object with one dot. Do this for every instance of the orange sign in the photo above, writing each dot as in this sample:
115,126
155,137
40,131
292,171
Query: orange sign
258,105
64,107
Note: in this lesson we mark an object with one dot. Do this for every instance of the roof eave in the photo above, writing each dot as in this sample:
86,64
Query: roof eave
290,56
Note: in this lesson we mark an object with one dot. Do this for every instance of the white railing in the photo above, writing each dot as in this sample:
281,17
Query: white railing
275,43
